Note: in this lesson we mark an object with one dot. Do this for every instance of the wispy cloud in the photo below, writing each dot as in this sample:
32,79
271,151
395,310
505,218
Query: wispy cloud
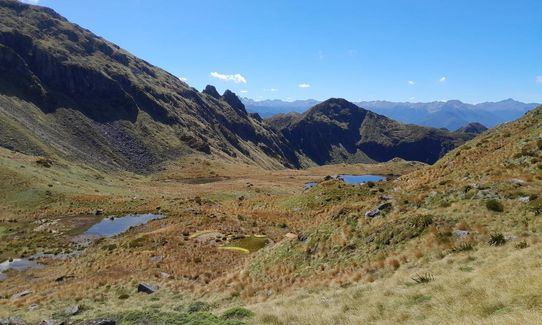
237,78
411,82
304,85
271,89
243,91
539,79
183,79
443,79
352,52
30,2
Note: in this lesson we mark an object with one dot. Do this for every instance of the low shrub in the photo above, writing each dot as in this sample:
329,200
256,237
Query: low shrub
494,205
237,313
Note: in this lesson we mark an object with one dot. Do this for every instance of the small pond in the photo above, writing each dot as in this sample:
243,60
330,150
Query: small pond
360,179
17,264
309,185
111,226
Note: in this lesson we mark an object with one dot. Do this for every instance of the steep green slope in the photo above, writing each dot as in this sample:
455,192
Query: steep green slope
64,90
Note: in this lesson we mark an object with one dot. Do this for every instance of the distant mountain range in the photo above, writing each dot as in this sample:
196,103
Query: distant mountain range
452,114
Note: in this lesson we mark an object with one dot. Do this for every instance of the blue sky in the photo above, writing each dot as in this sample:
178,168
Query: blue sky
417,50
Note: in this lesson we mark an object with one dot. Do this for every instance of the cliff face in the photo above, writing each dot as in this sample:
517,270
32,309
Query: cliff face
65,90
339,131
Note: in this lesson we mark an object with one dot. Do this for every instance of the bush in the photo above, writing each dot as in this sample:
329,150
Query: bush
237,313
198,306
497,240
124,296
494,205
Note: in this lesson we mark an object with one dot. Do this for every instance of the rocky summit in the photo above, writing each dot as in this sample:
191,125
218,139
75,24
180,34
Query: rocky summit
339,131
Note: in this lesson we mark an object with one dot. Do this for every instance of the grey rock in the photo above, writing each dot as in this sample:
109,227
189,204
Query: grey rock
384,206
33,307
517,182
460,233
12,320
147,288
487,194
372,213
21,294
524,199
72,310
156,259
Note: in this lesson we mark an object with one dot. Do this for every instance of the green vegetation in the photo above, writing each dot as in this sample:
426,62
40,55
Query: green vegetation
497,240
494,205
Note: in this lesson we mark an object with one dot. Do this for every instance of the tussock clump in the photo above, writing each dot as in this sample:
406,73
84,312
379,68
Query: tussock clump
497,240
423,278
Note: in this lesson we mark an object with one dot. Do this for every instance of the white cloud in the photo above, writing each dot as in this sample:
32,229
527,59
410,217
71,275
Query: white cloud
443,79
410,82
30,2
304,85
237,78
412,98
183,79
271,89
539,79
243,91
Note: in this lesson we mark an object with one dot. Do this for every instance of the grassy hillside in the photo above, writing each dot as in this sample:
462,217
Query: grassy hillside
65,91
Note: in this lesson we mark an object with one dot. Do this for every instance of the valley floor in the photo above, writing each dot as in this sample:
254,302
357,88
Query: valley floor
453,243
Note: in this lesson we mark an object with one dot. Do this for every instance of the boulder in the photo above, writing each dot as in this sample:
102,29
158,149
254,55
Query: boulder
72,310
290,235
460,233
384,206
147,288
98,212
21,294
517,182
372,213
